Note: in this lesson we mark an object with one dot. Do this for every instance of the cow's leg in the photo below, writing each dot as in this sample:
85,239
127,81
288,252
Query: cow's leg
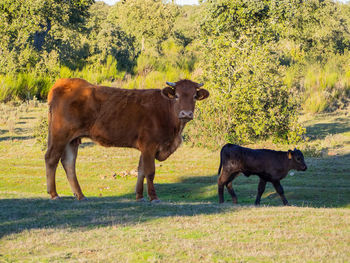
52,157
222,181
140,179
68,161
261,190
149,172
230,189
280,191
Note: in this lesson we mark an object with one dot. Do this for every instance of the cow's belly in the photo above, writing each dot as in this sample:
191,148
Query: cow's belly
115,139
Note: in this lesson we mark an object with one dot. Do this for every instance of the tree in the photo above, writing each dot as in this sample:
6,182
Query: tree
150,21
187,24
106,38
243,73
32,29
318,28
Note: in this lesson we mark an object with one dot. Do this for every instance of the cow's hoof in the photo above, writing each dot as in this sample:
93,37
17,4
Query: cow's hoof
155,201
80,198
55,198
141,200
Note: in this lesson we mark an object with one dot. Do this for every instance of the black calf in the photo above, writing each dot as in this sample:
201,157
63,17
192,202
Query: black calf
270,166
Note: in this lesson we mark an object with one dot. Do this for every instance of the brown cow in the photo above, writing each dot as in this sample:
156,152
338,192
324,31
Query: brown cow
149,120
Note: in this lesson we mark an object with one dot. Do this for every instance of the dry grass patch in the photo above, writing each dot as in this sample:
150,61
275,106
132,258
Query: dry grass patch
230,234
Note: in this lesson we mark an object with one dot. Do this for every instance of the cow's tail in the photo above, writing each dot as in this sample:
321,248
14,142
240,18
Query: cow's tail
224,150
219,171
49,123
51,105
221,155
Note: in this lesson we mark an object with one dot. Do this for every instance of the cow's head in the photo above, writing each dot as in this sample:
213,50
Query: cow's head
297,158
184,94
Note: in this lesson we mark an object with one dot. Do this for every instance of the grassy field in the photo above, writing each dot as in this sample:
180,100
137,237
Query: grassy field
189,225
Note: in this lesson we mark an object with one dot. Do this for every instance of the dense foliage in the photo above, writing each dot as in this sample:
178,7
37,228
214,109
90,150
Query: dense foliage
263,61
244,75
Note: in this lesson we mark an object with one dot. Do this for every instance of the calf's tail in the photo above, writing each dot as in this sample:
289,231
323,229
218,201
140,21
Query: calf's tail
221,153
224,155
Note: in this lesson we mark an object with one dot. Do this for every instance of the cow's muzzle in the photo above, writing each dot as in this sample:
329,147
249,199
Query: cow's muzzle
304,168
186,115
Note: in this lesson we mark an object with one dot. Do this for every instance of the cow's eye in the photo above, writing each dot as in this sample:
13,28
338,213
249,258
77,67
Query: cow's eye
176,96
195,97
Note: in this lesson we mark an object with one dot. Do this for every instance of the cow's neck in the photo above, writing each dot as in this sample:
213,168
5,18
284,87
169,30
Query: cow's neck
180,125
290,163
169,146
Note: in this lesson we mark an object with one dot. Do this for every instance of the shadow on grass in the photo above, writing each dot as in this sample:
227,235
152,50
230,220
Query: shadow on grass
87,144
325,184
26,118
321,130
15,138
36,213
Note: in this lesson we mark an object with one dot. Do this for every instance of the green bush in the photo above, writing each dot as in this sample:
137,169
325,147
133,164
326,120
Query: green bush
249,100
40,132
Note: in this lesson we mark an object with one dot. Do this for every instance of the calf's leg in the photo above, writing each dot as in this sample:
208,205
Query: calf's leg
223,181
230,188
280,191
232,192
261,190
68,161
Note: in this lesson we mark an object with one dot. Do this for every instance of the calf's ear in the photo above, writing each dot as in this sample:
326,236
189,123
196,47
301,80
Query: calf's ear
289,154
168,93
202,94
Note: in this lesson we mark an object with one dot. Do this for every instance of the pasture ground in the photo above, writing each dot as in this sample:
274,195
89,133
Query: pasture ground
189,225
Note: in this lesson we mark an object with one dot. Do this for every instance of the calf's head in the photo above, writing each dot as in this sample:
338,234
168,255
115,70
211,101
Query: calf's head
297,159
184,94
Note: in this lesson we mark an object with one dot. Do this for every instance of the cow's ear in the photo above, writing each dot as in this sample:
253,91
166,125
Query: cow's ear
168,93
290,154
202,94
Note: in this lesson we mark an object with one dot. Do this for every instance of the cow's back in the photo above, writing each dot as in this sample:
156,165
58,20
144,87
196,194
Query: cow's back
73,105
130,116
110,116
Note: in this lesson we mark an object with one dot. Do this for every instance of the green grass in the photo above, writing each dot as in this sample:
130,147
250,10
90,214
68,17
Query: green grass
189,225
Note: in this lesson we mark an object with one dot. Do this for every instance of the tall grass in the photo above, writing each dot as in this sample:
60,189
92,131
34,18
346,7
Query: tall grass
156,79
154,69
103,73
324,87
27,85
24,86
